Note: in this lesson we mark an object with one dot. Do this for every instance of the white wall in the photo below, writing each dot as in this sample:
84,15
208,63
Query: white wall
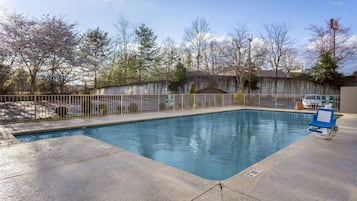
348,99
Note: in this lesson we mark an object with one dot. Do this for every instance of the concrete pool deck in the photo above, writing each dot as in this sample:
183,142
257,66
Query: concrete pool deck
82,168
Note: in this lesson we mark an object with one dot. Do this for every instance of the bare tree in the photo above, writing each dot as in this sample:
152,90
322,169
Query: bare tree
290,61
212,54
124,40
185,55
334,38
236,53
124,45
277,44
197,36
169,56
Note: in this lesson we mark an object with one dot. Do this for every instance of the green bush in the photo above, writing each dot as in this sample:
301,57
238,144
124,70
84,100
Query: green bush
192,88
86,106
61,111
133,107
102,109
238,98
198,104
191,97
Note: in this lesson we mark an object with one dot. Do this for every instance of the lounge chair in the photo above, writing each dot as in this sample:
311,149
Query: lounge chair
323,123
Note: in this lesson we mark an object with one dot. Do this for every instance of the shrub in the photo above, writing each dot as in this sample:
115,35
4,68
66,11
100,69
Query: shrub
61,111
86,106
238,98
102,109
192,88
191,97
133,107
198,104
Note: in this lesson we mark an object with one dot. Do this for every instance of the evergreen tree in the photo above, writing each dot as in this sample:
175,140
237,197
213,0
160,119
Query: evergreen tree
325,71
178,77
148,51
95,49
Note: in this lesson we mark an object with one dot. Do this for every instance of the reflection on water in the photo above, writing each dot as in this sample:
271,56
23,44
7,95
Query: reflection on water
214,146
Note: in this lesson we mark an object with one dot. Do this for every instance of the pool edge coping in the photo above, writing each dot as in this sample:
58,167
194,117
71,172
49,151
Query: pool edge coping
171,115
267,159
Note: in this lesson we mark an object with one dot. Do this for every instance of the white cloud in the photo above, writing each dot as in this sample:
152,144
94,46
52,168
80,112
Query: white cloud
219,39
352,40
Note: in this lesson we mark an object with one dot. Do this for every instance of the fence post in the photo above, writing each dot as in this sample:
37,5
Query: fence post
121,104
204,101
35,102
173,102
244,100
141,103
158,102
229,96
223,100
181,101
194,101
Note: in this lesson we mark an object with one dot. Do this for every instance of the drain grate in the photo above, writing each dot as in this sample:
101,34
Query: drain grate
254,172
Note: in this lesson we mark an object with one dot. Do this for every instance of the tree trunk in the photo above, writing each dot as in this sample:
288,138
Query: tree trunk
95,79
276,80
275,85
33,84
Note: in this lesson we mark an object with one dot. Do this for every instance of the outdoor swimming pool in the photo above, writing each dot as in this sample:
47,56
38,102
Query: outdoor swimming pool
214,146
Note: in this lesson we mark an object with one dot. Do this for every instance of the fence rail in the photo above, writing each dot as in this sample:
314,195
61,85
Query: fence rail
19,108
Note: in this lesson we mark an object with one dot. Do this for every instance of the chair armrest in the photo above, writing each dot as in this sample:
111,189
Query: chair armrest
314,117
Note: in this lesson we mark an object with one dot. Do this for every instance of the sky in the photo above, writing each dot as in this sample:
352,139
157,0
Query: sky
170,18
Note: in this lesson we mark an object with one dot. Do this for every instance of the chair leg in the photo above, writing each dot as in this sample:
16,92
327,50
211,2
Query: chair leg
325,133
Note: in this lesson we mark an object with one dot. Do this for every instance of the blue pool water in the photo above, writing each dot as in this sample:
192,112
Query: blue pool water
213,146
